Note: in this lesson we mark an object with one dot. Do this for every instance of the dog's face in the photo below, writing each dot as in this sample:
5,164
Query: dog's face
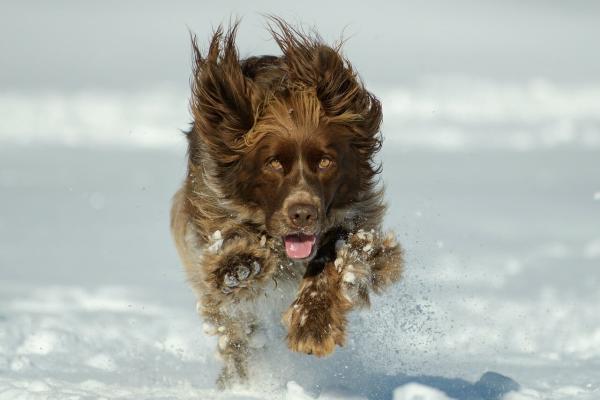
298,179
292,137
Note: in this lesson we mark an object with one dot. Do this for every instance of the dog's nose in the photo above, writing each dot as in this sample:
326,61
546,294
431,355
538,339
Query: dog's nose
302,215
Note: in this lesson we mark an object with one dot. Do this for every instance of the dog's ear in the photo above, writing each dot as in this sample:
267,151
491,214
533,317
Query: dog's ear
344,100
313,64
222,98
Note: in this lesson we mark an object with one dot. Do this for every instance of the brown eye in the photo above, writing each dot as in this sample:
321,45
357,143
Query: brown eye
275,164
325,163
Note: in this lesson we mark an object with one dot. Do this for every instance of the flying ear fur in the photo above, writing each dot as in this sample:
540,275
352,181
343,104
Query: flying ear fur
343,97
222,97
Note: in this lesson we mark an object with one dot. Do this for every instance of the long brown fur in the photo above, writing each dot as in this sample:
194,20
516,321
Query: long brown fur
230,215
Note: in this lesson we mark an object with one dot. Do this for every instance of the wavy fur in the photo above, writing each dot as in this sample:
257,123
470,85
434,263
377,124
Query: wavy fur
230,215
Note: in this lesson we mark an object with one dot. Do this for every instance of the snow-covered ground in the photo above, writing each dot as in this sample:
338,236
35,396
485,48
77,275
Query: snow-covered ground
503,276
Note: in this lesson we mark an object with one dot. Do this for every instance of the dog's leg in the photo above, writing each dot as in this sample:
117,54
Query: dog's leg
368,260
236,270
365,261
316,320
233,350
233,345
225,270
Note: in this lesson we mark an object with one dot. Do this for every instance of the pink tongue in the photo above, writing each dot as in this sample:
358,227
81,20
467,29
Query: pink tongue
299,246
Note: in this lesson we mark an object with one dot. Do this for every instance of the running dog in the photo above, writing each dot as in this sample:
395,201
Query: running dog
281,198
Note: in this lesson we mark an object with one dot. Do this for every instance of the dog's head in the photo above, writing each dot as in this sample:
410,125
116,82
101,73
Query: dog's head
292,137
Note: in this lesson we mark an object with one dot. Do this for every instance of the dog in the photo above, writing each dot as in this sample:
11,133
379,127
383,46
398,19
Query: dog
281,198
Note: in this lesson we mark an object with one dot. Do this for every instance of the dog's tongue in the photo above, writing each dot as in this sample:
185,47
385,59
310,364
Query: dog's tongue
299,246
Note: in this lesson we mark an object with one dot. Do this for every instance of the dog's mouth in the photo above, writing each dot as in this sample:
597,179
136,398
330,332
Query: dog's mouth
299,246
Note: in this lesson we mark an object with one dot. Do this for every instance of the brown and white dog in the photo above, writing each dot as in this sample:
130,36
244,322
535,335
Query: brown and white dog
281,199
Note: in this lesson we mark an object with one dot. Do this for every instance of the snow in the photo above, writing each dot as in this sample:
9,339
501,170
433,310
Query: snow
216,242
295,392
499,298
415,391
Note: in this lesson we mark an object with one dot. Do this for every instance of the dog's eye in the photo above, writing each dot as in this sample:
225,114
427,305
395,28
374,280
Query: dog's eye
325,163
275,164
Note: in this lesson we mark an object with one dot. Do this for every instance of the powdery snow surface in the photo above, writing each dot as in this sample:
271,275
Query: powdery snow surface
499,300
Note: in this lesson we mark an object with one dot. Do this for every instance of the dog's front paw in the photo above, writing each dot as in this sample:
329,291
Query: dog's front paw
238,272
369,258
312,332
240,267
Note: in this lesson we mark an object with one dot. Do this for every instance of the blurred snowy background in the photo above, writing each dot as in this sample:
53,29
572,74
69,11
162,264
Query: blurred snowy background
492,171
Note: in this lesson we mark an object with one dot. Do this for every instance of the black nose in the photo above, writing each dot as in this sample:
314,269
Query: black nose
302,215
